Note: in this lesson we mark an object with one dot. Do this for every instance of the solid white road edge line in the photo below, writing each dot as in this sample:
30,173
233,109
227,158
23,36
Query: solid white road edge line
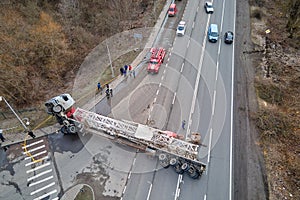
231,117
149,192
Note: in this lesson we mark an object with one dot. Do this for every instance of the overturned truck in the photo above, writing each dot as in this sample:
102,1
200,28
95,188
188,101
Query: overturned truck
170,149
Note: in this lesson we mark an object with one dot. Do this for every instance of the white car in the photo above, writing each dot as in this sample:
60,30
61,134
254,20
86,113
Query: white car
208,7
181,28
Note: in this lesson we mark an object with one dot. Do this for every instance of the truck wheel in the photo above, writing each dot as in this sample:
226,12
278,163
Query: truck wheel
193,173
72,129
185,166
173,161
66,122
57,109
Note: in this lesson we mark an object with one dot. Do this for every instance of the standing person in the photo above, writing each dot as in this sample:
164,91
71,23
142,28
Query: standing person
107,93
99,86
129,70
183,124
125,69
30,133
122,71
1,135
107,86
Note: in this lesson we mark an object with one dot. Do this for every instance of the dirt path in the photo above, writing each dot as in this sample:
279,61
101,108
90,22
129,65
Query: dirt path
250,181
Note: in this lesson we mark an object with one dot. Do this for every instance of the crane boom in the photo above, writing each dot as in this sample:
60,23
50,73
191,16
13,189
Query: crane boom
171,151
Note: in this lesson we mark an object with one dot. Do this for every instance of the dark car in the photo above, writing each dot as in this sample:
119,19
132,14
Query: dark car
228,37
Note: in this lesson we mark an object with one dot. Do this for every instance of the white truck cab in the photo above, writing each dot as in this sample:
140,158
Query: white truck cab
59,104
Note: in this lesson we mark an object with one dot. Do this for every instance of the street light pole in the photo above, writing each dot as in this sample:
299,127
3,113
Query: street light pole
111,67
22,123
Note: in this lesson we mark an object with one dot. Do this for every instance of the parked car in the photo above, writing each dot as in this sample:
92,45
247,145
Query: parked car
208,7
228,37
157,58
181,28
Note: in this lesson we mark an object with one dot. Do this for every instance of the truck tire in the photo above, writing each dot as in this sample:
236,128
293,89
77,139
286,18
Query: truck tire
72,129
163,160
185,167
193,173
57,109
173,162
66,122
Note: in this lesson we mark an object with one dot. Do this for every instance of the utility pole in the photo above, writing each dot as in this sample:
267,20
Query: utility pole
111,67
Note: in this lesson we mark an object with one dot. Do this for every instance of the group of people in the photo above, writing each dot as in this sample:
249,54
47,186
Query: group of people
108,91
127,69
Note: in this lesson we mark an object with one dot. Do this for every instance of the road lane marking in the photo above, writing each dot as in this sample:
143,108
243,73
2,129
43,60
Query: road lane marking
45,195
133,161
56,198
40,174
181,68
217,72
33,162
35,149
35,155
204,197
124,189
149,192
164,71
214,103
173,101
154,100
40,181
129,175
37,168
34,143
197,79
193,25
177,191
162,77
209,147
43,188
159,85
157,92
188,44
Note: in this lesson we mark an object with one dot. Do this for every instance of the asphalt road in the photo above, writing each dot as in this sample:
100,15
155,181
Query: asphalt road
194,84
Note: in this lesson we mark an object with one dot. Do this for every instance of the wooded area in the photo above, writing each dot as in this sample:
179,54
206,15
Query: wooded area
44,42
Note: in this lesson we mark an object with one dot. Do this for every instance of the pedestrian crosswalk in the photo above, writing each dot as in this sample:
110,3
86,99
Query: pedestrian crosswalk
41,178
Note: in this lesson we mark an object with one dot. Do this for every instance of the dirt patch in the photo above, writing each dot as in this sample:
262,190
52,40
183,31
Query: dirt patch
277,75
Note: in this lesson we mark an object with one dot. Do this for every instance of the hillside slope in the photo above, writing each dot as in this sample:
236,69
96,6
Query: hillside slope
42,43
